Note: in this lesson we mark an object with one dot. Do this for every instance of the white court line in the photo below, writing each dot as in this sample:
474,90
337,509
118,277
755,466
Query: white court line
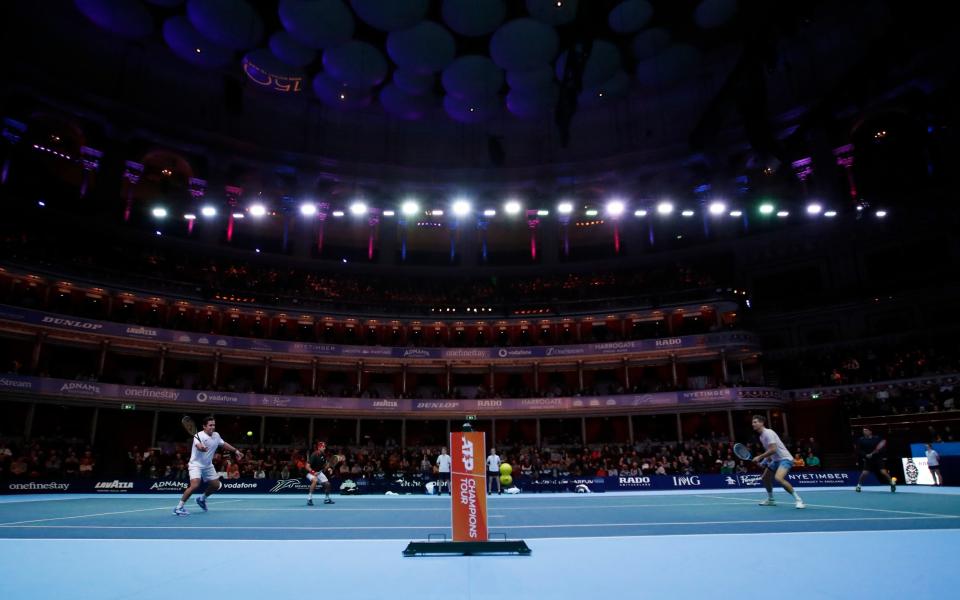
560,538
509,527
119,512
884,510
511,508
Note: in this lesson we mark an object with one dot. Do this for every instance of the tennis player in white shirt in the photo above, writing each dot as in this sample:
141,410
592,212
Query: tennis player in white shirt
201,469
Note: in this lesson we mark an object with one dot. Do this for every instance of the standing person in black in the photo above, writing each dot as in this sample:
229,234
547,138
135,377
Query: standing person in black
870,448
316,465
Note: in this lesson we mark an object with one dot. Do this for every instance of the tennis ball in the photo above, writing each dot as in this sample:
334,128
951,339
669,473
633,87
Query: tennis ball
506,469
506,479
249,434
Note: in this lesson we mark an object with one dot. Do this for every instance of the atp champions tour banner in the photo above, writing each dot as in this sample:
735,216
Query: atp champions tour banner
469,491
69,323
199,399
468,486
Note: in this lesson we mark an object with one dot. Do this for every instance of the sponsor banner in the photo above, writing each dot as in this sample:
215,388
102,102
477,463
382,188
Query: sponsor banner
469,499
113,487
23,315
710,481
810,479
562,484
469,486
916,471
63,387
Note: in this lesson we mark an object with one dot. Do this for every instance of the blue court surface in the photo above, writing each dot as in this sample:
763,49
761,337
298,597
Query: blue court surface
629,545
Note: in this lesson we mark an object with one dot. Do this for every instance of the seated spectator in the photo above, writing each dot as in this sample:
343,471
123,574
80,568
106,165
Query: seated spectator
812,461
798,462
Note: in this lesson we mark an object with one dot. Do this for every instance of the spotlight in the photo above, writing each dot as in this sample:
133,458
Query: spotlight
717,208
543,212
766,208
461,207
830,213
565,208
512,207
489,213
591,212
783,213
358,209
736,213
258,250
158,232
665,208
308,209
615,208
337,213
640,213
258,210
159,212
238,215
208,211
41,203
687,213
190,217
881,213
437,212
409,208
814,209
388,213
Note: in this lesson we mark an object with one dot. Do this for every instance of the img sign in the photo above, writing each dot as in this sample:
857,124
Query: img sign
468,486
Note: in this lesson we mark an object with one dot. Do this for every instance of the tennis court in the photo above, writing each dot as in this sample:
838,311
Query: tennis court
623,545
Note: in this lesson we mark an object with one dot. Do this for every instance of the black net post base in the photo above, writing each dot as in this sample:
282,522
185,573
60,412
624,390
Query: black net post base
447,548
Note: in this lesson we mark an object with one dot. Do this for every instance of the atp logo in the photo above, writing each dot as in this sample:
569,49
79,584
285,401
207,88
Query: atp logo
285,484
467,453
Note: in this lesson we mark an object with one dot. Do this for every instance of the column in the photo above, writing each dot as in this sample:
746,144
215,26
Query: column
161,367
733,435
263,428
844,156
359,377
533,222
626,374
131,174
583,430
786,428
679,429
266,373
358,433
103,358
630,427
153,431
217,355
723,365
37,347
538,433
673,369
743,377
372,221
803,169
536,377
493,433
449,376
310,433
492,379
314,363
403,380
447,442
769,422
12,133
90,161
323,210
93,424
403,434
232,194
28,425
579,369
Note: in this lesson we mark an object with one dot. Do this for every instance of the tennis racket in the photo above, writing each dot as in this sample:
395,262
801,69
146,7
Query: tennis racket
742,452
191,427
335,461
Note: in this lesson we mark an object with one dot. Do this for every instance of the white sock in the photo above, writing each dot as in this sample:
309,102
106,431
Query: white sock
797,497
309,495
180,504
